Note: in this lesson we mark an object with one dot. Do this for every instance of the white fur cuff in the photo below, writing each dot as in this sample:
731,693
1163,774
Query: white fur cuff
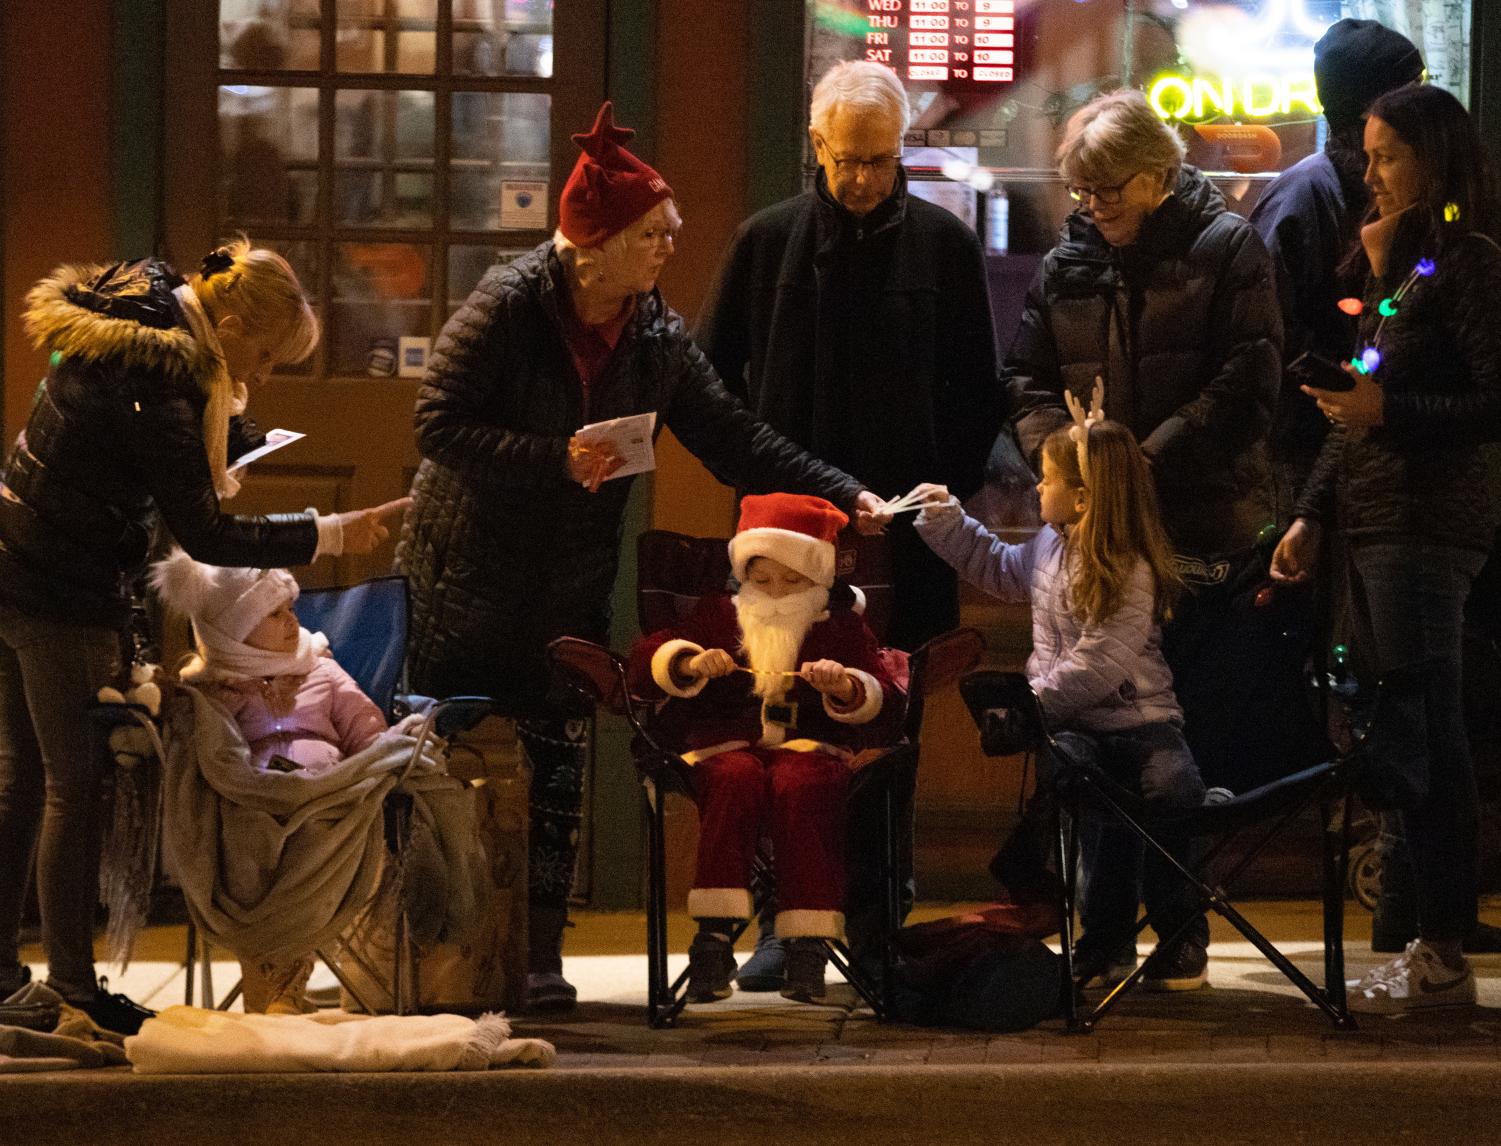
661,668
870,702
720,903
808,924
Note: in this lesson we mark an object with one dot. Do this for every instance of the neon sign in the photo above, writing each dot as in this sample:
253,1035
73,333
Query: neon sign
1262,95
1242,66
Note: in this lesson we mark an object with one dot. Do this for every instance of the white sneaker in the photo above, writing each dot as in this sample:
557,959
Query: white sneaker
1414,979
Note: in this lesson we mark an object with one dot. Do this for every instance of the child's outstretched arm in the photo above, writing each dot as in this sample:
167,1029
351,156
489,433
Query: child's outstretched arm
977,555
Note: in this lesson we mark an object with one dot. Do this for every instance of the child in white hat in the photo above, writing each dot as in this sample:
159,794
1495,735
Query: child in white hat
298,710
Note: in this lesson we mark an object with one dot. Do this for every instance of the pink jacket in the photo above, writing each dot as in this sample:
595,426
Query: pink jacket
314,723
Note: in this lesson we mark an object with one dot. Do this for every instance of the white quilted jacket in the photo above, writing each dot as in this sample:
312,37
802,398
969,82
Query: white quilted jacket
1099,677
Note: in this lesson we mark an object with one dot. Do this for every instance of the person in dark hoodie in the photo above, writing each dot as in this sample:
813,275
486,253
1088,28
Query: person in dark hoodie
1158,290
131,427
1309,218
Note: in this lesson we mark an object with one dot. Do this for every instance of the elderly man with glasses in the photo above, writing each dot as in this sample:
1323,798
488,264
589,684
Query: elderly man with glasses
855,319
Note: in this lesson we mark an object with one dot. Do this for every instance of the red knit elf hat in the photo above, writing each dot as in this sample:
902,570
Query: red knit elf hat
609,188
794,528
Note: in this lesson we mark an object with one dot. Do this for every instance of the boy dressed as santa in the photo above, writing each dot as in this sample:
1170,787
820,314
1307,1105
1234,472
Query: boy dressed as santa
775,689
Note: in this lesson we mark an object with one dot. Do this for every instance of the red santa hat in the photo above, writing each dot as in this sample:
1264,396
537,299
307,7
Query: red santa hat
793,528
609,188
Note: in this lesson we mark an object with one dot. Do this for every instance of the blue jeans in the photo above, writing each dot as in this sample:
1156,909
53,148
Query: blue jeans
51,778
1408,599
1119,872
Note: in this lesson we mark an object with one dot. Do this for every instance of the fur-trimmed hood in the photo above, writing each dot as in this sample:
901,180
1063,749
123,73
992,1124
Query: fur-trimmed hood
125,313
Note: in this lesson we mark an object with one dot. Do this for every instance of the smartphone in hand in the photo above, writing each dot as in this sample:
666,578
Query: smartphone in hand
1317,371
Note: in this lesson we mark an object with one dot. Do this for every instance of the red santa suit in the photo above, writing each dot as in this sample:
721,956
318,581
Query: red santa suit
775,765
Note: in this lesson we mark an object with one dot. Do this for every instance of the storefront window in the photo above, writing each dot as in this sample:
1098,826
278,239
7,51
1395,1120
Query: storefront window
992,83
385,145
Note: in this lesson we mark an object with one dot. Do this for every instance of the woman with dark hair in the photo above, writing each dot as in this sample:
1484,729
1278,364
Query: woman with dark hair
1402,473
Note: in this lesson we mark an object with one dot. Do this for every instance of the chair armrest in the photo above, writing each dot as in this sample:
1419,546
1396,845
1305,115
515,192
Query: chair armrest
1005,710
594,671
939,662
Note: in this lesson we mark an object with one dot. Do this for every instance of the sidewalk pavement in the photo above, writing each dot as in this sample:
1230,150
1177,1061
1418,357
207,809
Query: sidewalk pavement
1247,1060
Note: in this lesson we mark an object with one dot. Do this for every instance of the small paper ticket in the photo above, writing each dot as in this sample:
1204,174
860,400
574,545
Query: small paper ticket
629,436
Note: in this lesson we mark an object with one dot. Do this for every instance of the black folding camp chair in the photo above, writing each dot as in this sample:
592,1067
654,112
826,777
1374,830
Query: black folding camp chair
1011,721
673,572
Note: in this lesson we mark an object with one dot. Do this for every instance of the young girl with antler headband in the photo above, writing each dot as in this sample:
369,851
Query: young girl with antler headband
1100,580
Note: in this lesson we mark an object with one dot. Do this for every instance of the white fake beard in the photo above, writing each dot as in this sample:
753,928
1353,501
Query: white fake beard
772,631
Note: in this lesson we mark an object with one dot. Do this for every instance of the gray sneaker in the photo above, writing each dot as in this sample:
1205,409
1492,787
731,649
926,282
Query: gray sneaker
1415,979
806,959
711,968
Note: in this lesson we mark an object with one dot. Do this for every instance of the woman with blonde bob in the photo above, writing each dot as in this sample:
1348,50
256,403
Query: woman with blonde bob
1158,289
1099,577
131,427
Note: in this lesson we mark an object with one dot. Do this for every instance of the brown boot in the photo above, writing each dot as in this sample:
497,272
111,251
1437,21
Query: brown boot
289,984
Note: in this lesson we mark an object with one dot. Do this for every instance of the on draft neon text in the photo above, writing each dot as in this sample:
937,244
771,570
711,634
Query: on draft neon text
1255,96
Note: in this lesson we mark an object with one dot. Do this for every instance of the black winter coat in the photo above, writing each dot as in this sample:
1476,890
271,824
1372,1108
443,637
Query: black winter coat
869,340
1420,475
503,550
115,439
1183,326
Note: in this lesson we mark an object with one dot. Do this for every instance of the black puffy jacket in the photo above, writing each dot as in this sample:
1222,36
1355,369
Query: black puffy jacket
1184,327
115,439
502,549
1420,475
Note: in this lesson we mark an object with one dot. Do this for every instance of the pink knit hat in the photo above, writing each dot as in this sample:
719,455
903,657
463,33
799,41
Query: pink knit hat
231,601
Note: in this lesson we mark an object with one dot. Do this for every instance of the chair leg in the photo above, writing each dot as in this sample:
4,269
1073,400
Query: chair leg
190,963
1336,863
663,1001
206,973
892,907
1065,824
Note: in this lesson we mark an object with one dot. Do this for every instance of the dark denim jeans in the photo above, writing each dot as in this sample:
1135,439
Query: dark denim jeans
1119,871
1408,602
51,773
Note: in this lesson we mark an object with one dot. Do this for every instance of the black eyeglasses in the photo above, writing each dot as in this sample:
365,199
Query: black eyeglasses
850,164
1106,196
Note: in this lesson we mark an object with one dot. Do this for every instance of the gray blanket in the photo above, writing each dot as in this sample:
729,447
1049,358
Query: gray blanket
276,864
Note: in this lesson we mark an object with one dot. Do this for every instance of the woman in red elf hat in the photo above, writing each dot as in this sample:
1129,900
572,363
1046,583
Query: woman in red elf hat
514,532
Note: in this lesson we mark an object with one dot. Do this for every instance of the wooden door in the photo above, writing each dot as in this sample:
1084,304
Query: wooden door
392,150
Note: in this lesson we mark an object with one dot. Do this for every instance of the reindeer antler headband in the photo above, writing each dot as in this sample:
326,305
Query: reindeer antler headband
1079,431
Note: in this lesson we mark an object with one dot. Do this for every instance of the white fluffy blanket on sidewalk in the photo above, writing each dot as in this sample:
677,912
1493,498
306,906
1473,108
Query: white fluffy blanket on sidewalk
190,1040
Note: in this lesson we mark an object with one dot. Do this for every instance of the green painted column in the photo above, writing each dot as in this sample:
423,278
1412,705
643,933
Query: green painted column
136,83
616,819
776,118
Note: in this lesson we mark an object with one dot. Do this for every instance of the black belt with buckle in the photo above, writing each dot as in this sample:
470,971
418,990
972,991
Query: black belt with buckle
780,714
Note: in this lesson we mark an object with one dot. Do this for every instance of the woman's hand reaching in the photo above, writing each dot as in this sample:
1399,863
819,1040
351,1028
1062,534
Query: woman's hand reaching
364,529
